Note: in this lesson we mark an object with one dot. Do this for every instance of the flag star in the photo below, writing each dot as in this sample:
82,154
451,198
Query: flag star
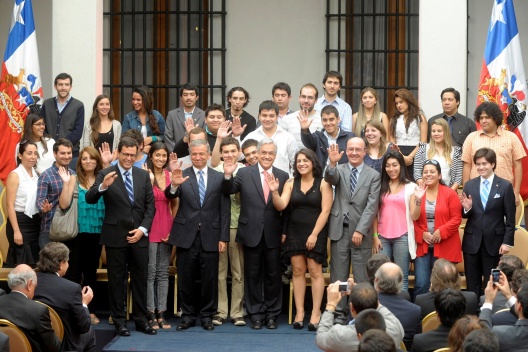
22,100
497,15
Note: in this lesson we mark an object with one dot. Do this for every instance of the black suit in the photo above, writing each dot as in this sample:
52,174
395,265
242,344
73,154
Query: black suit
32,318
196,232
65,297
426,303
431,340
120,218
260,227
409,315
487,229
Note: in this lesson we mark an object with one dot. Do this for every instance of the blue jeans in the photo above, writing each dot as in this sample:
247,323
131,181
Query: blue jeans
422,272
398,248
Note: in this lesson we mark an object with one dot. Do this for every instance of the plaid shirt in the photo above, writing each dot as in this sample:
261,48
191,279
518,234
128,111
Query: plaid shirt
49,187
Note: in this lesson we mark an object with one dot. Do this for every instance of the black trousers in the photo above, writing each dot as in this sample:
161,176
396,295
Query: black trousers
478,265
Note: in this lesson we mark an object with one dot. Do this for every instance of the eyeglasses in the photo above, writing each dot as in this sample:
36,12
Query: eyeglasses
128,156
431,162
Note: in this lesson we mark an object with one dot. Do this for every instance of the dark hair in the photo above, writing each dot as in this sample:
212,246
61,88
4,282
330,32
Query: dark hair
492,110
451,90
134,134
413,113
481,340
237,89
330,109
436,164
27,133
63,76
22,146
444,275
508,264
333,74
249,143
268,105
214,107
198,130
488,154
189,86
62,142
376,341
81,173
51,255
95,120
229,141
148,102
385,179
450,305
281,86
369,319
522,298
317,170
153,148
310,85
127,142
373,264
519,277
363,296
461,329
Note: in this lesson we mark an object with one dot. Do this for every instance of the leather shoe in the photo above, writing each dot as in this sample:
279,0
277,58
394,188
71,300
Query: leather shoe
184,325
146,329
122,331
272,323
256,325
208,326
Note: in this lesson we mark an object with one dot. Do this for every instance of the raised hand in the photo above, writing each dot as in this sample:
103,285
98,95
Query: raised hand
177,178
334,155
189,125
419,192
173,161
46,206
229,168
223,131
467,202
151,175
64,174
305,123
109,179
237,127
273,182
106,153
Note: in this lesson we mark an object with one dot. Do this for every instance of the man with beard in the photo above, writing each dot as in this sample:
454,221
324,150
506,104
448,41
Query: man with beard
237,100
332,82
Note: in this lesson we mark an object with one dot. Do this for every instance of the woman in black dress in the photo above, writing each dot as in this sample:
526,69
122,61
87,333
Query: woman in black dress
310,200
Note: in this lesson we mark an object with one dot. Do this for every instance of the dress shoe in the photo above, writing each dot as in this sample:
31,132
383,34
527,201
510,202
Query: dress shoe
146,329
272,323
122,331
184,325
256,325
208,326
239,321
298,325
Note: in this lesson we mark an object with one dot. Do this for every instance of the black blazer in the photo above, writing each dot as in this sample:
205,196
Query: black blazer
213,218
120,216
426,302
489,225
257,217
431,340
66,298
409,314
32,318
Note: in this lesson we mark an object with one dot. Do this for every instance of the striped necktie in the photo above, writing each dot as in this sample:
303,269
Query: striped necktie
201,187
484,193
353,180
129,188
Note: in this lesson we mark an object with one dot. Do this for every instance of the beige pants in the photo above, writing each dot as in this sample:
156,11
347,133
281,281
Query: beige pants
235,255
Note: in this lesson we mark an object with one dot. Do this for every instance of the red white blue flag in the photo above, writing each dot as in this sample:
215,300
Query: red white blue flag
20,83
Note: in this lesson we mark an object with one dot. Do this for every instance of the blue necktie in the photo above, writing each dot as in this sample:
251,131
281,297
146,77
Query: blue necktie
353,180
201,187
484,193
129,188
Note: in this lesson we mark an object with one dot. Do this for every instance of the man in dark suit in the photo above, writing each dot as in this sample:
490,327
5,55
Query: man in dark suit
31,317
509,317
129,211
450,306
388,283
445,275
489,206
354,209
65,297
175,127
260,227
199,232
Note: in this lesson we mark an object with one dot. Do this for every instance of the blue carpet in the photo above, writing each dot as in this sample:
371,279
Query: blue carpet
226,337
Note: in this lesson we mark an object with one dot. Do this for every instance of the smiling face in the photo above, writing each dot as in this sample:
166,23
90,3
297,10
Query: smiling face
430,175
63,156
159,159
307,99
368,100
189,99
137,102
401,105
38,128
372,135
214,119
330,123
199,156
267,155
103,106
303,164
63,88
230,153
355,151
393,168
484,167
437,133
88,163
251,155
29,157
127,157
268,119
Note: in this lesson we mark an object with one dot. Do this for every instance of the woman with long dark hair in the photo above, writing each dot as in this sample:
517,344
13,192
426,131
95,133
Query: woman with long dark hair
34,131
103,126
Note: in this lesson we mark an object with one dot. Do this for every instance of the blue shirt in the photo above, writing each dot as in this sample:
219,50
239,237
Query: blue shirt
345,111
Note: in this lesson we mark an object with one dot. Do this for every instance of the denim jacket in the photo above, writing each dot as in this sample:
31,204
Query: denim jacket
132,121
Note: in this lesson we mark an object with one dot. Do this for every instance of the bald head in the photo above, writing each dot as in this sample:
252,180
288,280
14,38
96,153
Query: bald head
388,278
23,278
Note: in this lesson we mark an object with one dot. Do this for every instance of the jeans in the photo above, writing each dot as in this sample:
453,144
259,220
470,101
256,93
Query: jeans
422,272
398,248
158,276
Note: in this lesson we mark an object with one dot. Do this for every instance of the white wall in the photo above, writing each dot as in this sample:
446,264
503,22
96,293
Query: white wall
275,40
443,47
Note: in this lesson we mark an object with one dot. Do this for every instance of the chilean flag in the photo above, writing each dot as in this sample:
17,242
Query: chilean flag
20,83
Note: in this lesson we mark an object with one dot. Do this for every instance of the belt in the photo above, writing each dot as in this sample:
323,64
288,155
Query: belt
345,224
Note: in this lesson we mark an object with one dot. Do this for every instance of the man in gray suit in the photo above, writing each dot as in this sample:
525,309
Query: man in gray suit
355,205
175,128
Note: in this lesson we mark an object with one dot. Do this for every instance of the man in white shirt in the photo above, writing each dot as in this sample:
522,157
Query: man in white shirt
281,95
332,82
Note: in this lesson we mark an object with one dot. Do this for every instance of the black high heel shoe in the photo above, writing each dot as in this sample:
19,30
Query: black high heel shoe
298,325
313,327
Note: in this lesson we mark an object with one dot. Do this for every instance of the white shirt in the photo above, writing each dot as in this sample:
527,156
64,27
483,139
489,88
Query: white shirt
26,194
291,124
407,137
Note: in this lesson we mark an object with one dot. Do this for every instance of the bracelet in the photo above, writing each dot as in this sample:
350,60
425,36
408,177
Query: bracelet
331,305
154,138
375,234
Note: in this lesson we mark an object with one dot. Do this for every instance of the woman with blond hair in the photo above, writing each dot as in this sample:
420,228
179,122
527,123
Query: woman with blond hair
369,110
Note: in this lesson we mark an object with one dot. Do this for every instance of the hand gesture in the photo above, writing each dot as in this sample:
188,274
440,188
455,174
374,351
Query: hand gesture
334,155
376,245
46,206
151,175
223,131
87,295
357,238
427,237
64,174
237,128
189,125
273,182
305,123
106,154
135,235
310,242
419,192
177,178
173,161
229,168
436,236
467,202
109,179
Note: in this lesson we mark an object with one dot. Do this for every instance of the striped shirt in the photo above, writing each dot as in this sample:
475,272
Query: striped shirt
450,173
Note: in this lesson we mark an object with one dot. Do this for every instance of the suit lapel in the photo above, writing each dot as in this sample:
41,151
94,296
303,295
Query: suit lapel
194,183
210,184
121,183
256,178
361,179
493,190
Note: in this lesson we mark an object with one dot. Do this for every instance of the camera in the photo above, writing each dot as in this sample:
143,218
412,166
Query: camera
343,287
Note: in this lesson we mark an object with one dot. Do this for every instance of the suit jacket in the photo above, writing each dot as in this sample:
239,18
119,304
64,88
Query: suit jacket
426,302
66,298
498,303
121,216
431,340
409,314
362,207
511,338
494,225
175,125
257,217
32,318
213,217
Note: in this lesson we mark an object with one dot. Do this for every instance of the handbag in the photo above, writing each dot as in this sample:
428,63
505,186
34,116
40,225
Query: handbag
64,225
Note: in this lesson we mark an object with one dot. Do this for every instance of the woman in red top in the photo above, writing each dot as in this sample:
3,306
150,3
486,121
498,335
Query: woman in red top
437,213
